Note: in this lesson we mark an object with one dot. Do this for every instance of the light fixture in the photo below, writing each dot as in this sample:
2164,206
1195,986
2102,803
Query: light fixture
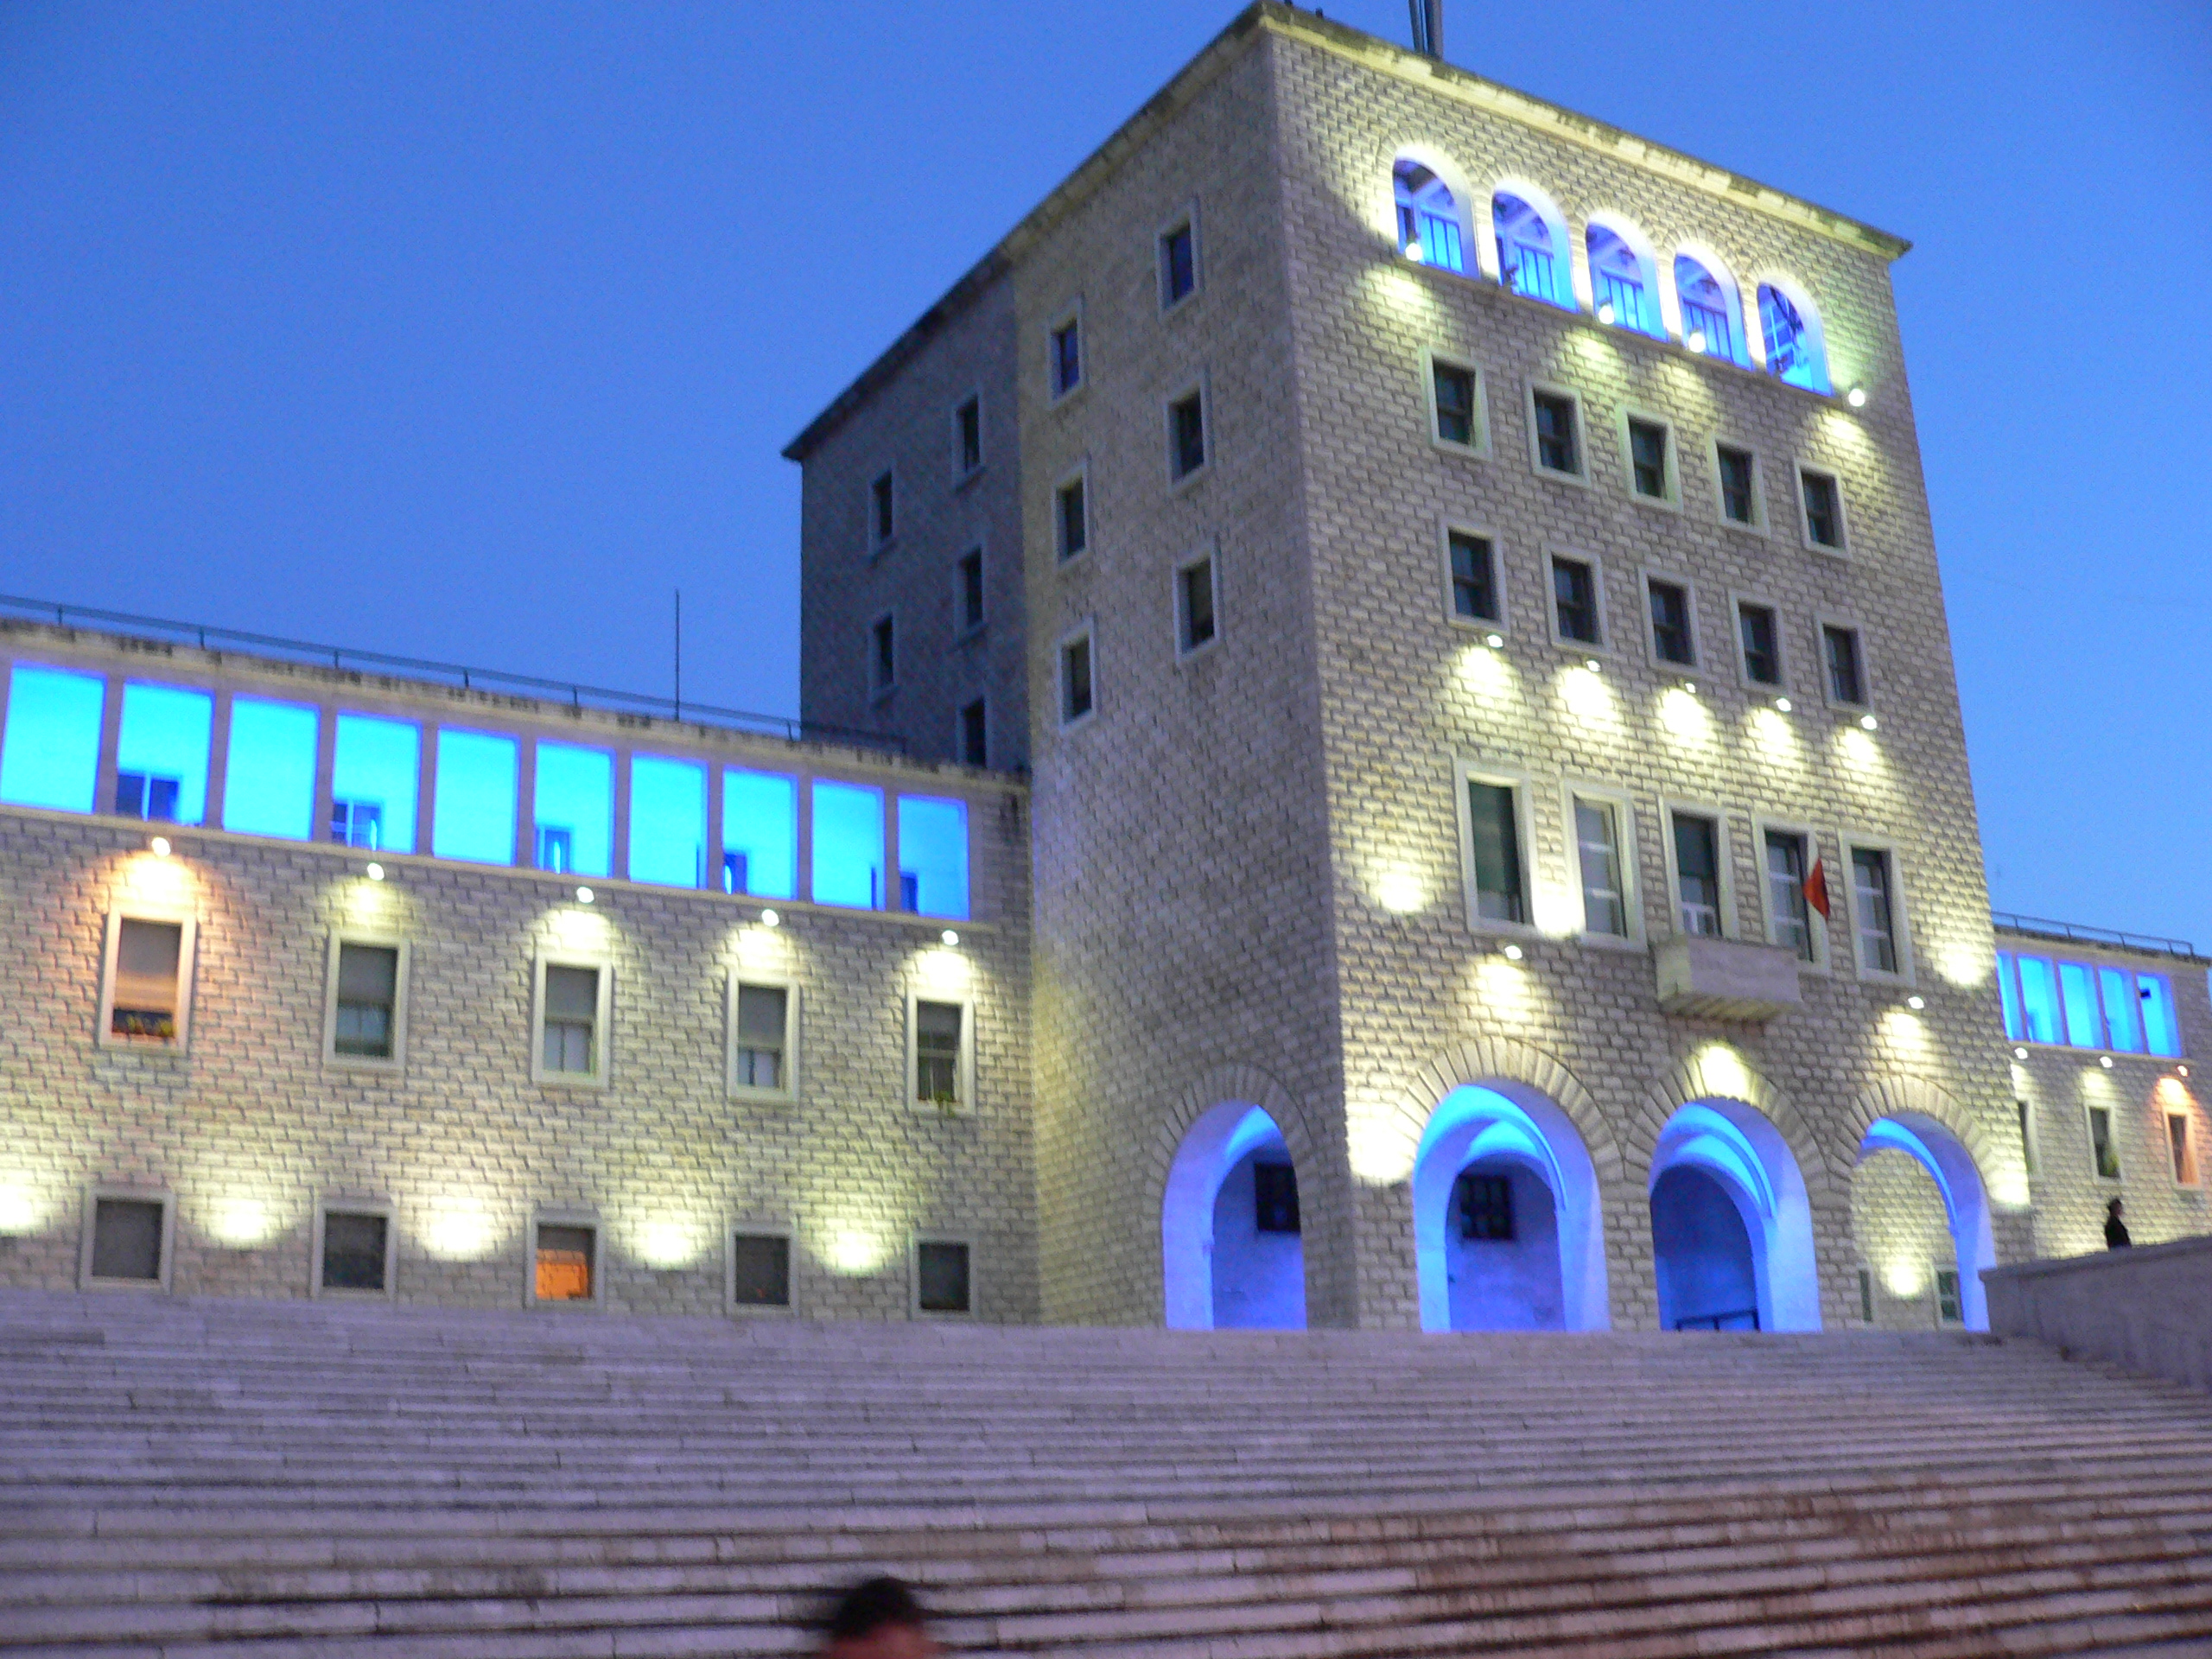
1783,704
583,895
1695,340
161,846
949,936
1591,664
1606,313
1690,686
1867,723
1856,397
1513,953
2019,1053
1413,252
1495,641
376,872
2181,1071
1915,1003
769,919
2105,1060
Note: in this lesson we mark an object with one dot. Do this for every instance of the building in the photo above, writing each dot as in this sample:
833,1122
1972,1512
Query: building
1389,637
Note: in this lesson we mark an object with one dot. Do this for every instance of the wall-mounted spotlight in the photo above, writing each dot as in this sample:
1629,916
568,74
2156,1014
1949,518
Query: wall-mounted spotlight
2105,1060
1856,397
375,872
1606,313
1690,686
2181,1071
1783,704
1593,664
1915,1003
583,895
1495,641
2019,1053
1513,953
161,846
1695,340
949,936
1413,252
770,919
1868,723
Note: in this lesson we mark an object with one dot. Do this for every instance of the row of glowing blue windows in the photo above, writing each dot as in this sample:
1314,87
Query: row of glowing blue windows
1528,263
2082,1005
50,756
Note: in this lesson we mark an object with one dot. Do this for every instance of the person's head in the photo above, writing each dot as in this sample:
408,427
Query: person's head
878,1618
2113,1208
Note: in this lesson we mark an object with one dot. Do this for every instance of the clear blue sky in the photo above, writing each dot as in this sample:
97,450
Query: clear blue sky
474,331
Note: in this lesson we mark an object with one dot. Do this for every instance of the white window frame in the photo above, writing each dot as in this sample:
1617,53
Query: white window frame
915,1240
2188,1121
602,1026
1603,646
124,1192
1208,553
1087,630
332,1058
1187,214
1480,448
1822,621
2115,1183
389,1214
962,629
186,963
1200,387
1900,909
879,545
1738,599
1528,393
960,729
752,1229
1055,394
1724,853
964,475
553,1218
1627,851
1801,470
1445,530
789,1092
965,1001
1671,501
1694,668
1079,473
879,689
1823,957
1759,524
1473,769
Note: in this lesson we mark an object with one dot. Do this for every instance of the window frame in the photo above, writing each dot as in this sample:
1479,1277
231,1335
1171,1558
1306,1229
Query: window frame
752,1229
879,689
2118,1179
383,1211
1602,645
124,1192
1209,555
1738,599
964,1106
980,700
1445,530
961,472
1724,857
1823,960
1841,548
1199,387
339,938
736,979
921,1236
1822,621
1625,419
1087,633
1473,769
1851,843
1530,390
878,544
1069,315
1694,668
1479,449
1078,474
187,964
962,629
1184,218
2183,1115
602,1028
1760,523
1627,851
547,1217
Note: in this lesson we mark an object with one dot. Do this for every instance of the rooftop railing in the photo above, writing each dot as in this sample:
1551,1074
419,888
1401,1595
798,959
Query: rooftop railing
2043,926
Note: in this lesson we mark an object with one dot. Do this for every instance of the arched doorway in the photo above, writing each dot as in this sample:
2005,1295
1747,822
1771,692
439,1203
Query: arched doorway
1731,1230
1966,1201
1232,1251
1507,1228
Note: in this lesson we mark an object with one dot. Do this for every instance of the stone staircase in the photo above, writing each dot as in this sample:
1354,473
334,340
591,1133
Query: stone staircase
276,1480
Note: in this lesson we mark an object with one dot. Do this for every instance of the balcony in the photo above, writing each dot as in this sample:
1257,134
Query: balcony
1725,978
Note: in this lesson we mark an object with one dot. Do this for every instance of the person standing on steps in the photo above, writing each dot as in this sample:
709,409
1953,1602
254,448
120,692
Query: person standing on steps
2116,1236
878,1618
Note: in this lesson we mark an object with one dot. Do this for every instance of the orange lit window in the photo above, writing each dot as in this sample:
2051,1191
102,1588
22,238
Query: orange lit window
564,1264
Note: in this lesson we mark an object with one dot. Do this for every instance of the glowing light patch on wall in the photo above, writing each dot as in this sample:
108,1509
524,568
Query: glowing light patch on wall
576,927
460,1229
1903,1279
1859,750
1776,739
1964,965
1685,718
764,948
1905,1030
243,1223
1401,892
22,1209
1484,672
153,879
1588,697
1722,1071
375,904
667,1243
855,1249
943,966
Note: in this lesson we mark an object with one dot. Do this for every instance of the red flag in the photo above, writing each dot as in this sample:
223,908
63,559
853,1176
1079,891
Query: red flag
1816,888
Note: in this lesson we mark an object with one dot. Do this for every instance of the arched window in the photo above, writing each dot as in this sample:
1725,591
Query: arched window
1793,341
1709,323
1621,283
1429,217
1530,259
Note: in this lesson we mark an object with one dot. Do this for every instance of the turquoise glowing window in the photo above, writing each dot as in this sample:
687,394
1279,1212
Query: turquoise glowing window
269,777
668,821
2077,997
2039,1000
1708,311
51,753
472,816
2123,1015
1791,354
933,856
1528,260
572,811
2008,994
848,845
160,753
2083,1004
759,834
375,773
2160,1029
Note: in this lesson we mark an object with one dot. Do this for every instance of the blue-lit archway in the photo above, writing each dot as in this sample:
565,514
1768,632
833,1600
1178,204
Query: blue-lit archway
1231,1252
1966,1201
1731,1227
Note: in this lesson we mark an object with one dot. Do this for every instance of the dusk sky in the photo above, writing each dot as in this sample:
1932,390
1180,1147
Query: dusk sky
473,331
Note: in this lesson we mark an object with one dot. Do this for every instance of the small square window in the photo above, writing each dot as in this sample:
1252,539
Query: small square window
368,979
942,1281
356,1252
1077,692
1071,516
1186,435
1275,1198
571,1037
1557,431
1672,637
1762,643
2104,1153
1846,675
1485,1207
762,1027
975,730
940,1051
1823,509
2182,1148
147,992
566,1268
1599,849
760,1269
881,521
883,654
129,1241
968,586
1575,601
1494,852
1651,464
967,437
1455,392
1194,606
1474,577
1064,356
1178,264
1739,486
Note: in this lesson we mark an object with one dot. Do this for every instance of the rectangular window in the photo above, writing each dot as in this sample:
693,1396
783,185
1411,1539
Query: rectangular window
570,1004
1064,350
1740,500
882,518
1274,1199
933,856
668,821
1697,873
848,845
1076,689
1186,435
974,732
1194,612
356,1252
129,1241
149,982
1452,389
968,587
1672,640
2078,1002
2184,1150
161,756
1575,601
1485,1207
1789,920
472,817
50,755
760,1060
365,1001
2027,1136
1178,264
2008,996
1494,819
1474,577
2104,1156
2122,1010
1559,444
942,1281
968,436
759,834
572,810
1823,509
567,1266
883,655
1072,517
1866,1296
1947,1296
1874,901
940,1031
1846,680
760,1270
2161,1031
2039,999
1650,466
1755,627
375,778
269,777
1598,845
